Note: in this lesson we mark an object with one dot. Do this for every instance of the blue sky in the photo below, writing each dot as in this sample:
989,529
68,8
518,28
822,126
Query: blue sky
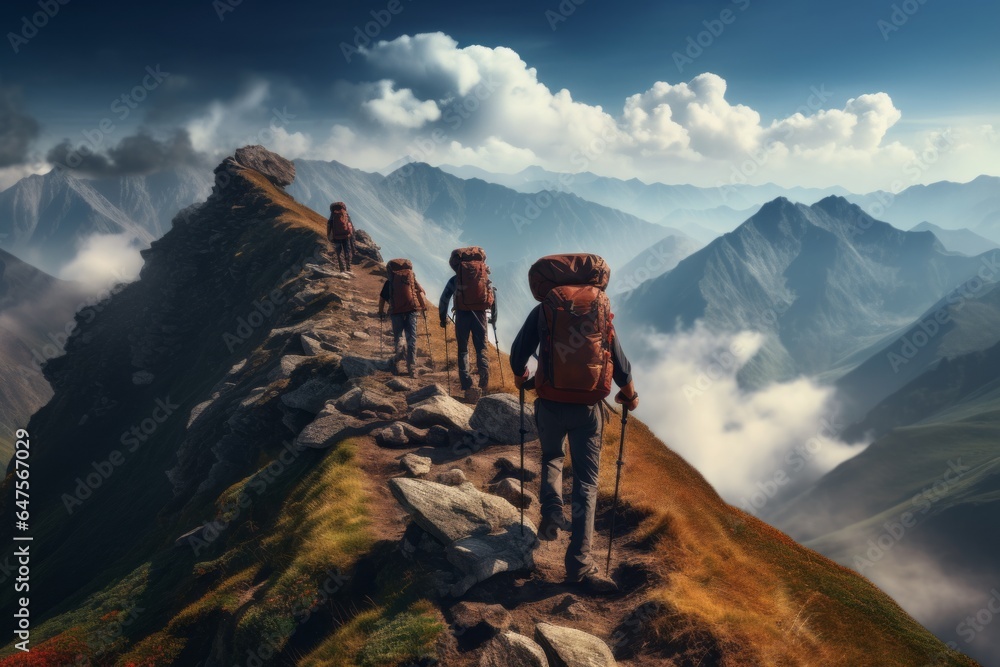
939,69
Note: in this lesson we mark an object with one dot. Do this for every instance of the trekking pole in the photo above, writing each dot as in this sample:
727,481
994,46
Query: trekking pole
381,336
618,479
499,359
427,332
523,433
447,357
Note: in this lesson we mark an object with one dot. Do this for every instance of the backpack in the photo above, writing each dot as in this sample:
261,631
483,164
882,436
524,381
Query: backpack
339,227
402,287
473,289
574,327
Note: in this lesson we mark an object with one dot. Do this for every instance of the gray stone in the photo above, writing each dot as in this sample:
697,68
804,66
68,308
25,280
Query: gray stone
442,411
492,618
400,434
362,398
272,166
330,427
142,378
424,393
399,384
508,468
566,647
312,395
437,436
498,416
356,367
570,608
415,466
360,335
309,294
287,366
510,490
453,477
513,650
321,271
198,410
312,346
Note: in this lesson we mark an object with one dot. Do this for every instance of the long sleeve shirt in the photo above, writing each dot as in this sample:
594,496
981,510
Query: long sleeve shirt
449,292
526,344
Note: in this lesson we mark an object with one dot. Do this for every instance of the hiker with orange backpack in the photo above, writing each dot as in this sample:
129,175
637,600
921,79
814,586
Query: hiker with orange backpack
340,232
474,295
405,299
578,357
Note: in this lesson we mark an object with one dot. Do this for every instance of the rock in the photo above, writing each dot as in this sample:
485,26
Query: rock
311,346
275,168
193,538
330,427
498,416
566,647
510,490
398,384
571,608
198,410
453,477
424,393
287,366
361,398
141,378
513,650
477,618
360,335
508,468
309,294
415,466
400,434
321,271
482,533
356,367
312,395
437,436
443,411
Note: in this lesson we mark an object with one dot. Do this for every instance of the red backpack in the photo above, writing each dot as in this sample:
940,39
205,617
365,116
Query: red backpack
403,287
574,328
339,227
473,289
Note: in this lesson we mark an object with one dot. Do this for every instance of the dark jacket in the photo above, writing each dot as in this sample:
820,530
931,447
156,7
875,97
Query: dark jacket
449,291
526,344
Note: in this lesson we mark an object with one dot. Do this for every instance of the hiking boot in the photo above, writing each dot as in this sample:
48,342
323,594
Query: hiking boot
595,583
472,395
411,371
550,526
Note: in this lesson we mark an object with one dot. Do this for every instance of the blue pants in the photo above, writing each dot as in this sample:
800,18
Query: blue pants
406,323
472,322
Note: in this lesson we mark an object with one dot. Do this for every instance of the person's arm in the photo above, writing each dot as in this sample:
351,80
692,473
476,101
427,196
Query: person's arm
622,376
329,229
421,294
381,307
449,291
384,297
525,344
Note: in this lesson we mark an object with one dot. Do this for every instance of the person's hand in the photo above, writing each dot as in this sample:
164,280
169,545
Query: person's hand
381,316
493,317
519,380
444,322
628,397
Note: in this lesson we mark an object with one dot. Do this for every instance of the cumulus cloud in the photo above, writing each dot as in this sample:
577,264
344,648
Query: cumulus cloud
17,129
399,107
141,153
104,260
740,440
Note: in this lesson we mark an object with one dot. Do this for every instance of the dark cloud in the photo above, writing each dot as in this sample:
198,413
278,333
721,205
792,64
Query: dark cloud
17,129
141,153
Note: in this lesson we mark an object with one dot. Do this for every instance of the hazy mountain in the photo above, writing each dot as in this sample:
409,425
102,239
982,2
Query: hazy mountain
707,224
35,311
152,200
653,262
961,240
824,281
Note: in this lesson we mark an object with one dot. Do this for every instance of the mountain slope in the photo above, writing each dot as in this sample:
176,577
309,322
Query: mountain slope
296,558
961,240
35,311
824,281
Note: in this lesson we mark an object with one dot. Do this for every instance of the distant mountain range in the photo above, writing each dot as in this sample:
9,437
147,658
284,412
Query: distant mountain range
961,240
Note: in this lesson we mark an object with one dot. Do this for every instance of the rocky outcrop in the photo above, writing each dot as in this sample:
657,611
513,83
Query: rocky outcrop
513,650
566,647
442,411
275,168
498,417
415,466
330,427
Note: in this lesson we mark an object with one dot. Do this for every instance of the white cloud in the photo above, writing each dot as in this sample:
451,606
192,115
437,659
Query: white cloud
104,260
737,439
399,107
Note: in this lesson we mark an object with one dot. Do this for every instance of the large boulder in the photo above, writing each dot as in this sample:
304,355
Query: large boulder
356,367
414,465
277,169
442,411
400,434
312,395
513,650
424,393
361,398
498,417
566,647
330,427
482,533
287,366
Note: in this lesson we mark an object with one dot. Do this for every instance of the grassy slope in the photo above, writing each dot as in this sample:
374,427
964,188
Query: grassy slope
745,591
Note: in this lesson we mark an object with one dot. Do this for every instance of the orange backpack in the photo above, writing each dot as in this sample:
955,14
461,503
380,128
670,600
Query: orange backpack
339,227
473,289
574,328
403,287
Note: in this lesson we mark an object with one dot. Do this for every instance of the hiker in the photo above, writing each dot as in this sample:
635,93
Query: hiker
340,232
578,356
474,295
405,298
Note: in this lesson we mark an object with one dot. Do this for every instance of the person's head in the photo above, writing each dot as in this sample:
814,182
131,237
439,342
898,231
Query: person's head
336,206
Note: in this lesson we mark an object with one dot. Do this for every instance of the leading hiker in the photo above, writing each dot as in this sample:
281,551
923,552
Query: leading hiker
405,298
578,356
340,233
474,295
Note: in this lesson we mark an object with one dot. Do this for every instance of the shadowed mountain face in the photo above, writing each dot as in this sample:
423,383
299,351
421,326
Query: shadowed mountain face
36,312
214,475
824,281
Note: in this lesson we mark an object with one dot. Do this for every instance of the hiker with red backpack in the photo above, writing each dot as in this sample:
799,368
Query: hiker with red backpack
405,299
340,232
474,295
578,357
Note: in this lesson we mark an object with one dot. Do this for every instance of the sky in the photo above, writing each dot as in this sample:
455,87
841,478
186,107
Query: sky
859,94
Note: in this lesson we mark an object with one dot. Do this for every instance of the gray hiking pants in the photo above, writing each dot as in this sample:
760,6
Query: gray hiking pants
583,425
407,322
469,322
